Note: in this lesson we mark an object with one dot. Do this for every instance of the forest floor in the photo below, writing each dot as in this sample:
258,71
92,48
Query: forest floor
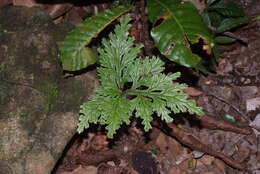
224,141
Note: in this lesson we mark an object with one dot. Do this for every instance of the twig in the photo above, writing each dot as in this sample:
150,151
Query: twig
233,106
213,123
189,140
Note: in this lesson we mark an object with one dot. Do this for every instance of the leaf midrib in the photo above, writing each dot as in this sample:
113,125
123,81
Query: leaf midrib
174,18
83,44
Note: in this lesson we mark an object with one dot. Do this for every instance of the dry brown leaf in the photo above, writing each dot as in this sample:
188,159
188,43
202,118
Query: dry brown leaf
99,142
209,173
252,104
169,146
192,91
73,16
26,3
83,170
57,10
224,67
5,2
220,166
184,165
175,170
205,160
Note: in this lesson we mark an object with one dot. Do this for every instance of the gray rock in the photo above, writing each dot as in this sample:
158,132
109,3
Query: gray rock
38,107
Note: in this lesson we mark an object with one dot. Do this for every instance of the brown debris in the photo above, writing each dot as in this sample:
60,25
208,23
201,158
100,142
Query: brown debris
213,123
96,157
189,140
193,92
5,2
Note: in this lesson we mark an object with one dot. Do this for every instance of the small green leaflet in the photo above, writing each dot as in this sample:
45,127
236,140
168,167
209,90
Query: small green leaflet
230,23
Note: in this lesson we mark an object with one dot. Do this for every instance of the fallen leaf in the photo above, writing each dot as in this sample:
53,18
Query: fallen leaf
175,170
252,104
205,160
99,142
224,67
186,164
193,92
169,146
83,170
220,165
26,3
5,2
209,173
197,154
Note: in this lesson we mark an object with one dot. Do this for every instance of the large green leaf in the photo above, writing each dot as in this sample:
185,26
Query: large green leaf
228,9
210,2
180,27
224,40
230,23
74,53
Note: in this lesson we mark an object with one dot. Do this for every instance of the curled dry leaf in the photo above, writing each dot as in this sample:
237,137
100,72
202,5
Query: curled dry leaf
56,10
224,67
192,91
82,170
26,3
252,104
175,170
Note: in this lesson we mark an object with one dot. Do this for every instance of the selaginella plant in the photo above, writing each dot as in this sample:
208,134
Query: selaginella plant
132,86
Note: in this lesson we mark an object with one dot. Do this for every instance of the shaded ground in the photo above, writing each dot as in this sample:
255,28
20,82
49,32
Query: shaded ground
230,98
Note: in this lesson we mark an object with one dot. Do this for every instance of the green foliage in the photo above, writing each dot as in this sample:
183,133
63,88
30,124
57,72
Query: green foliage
231,119
222,16
74,54
229,23
154,150
132,86
257,17
180,26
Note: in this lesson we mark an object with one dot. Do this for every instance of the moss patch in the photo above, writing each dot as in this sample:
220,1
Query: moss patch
51,94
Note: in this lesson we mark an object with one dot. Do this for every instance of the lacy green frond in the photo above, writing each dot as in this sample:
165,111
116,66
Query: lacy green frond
132,86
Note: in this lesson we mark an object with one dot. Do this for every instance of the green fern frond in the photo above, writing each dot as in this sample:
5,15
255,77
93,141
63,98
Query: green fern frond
132,86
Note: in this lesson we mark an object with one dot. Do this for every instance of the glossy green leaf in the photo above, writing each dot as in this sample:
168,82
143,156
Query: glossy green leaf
210,2
230,23
216,52
228,118
74,53
224,40
206,18
228,9
215,19
180,27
